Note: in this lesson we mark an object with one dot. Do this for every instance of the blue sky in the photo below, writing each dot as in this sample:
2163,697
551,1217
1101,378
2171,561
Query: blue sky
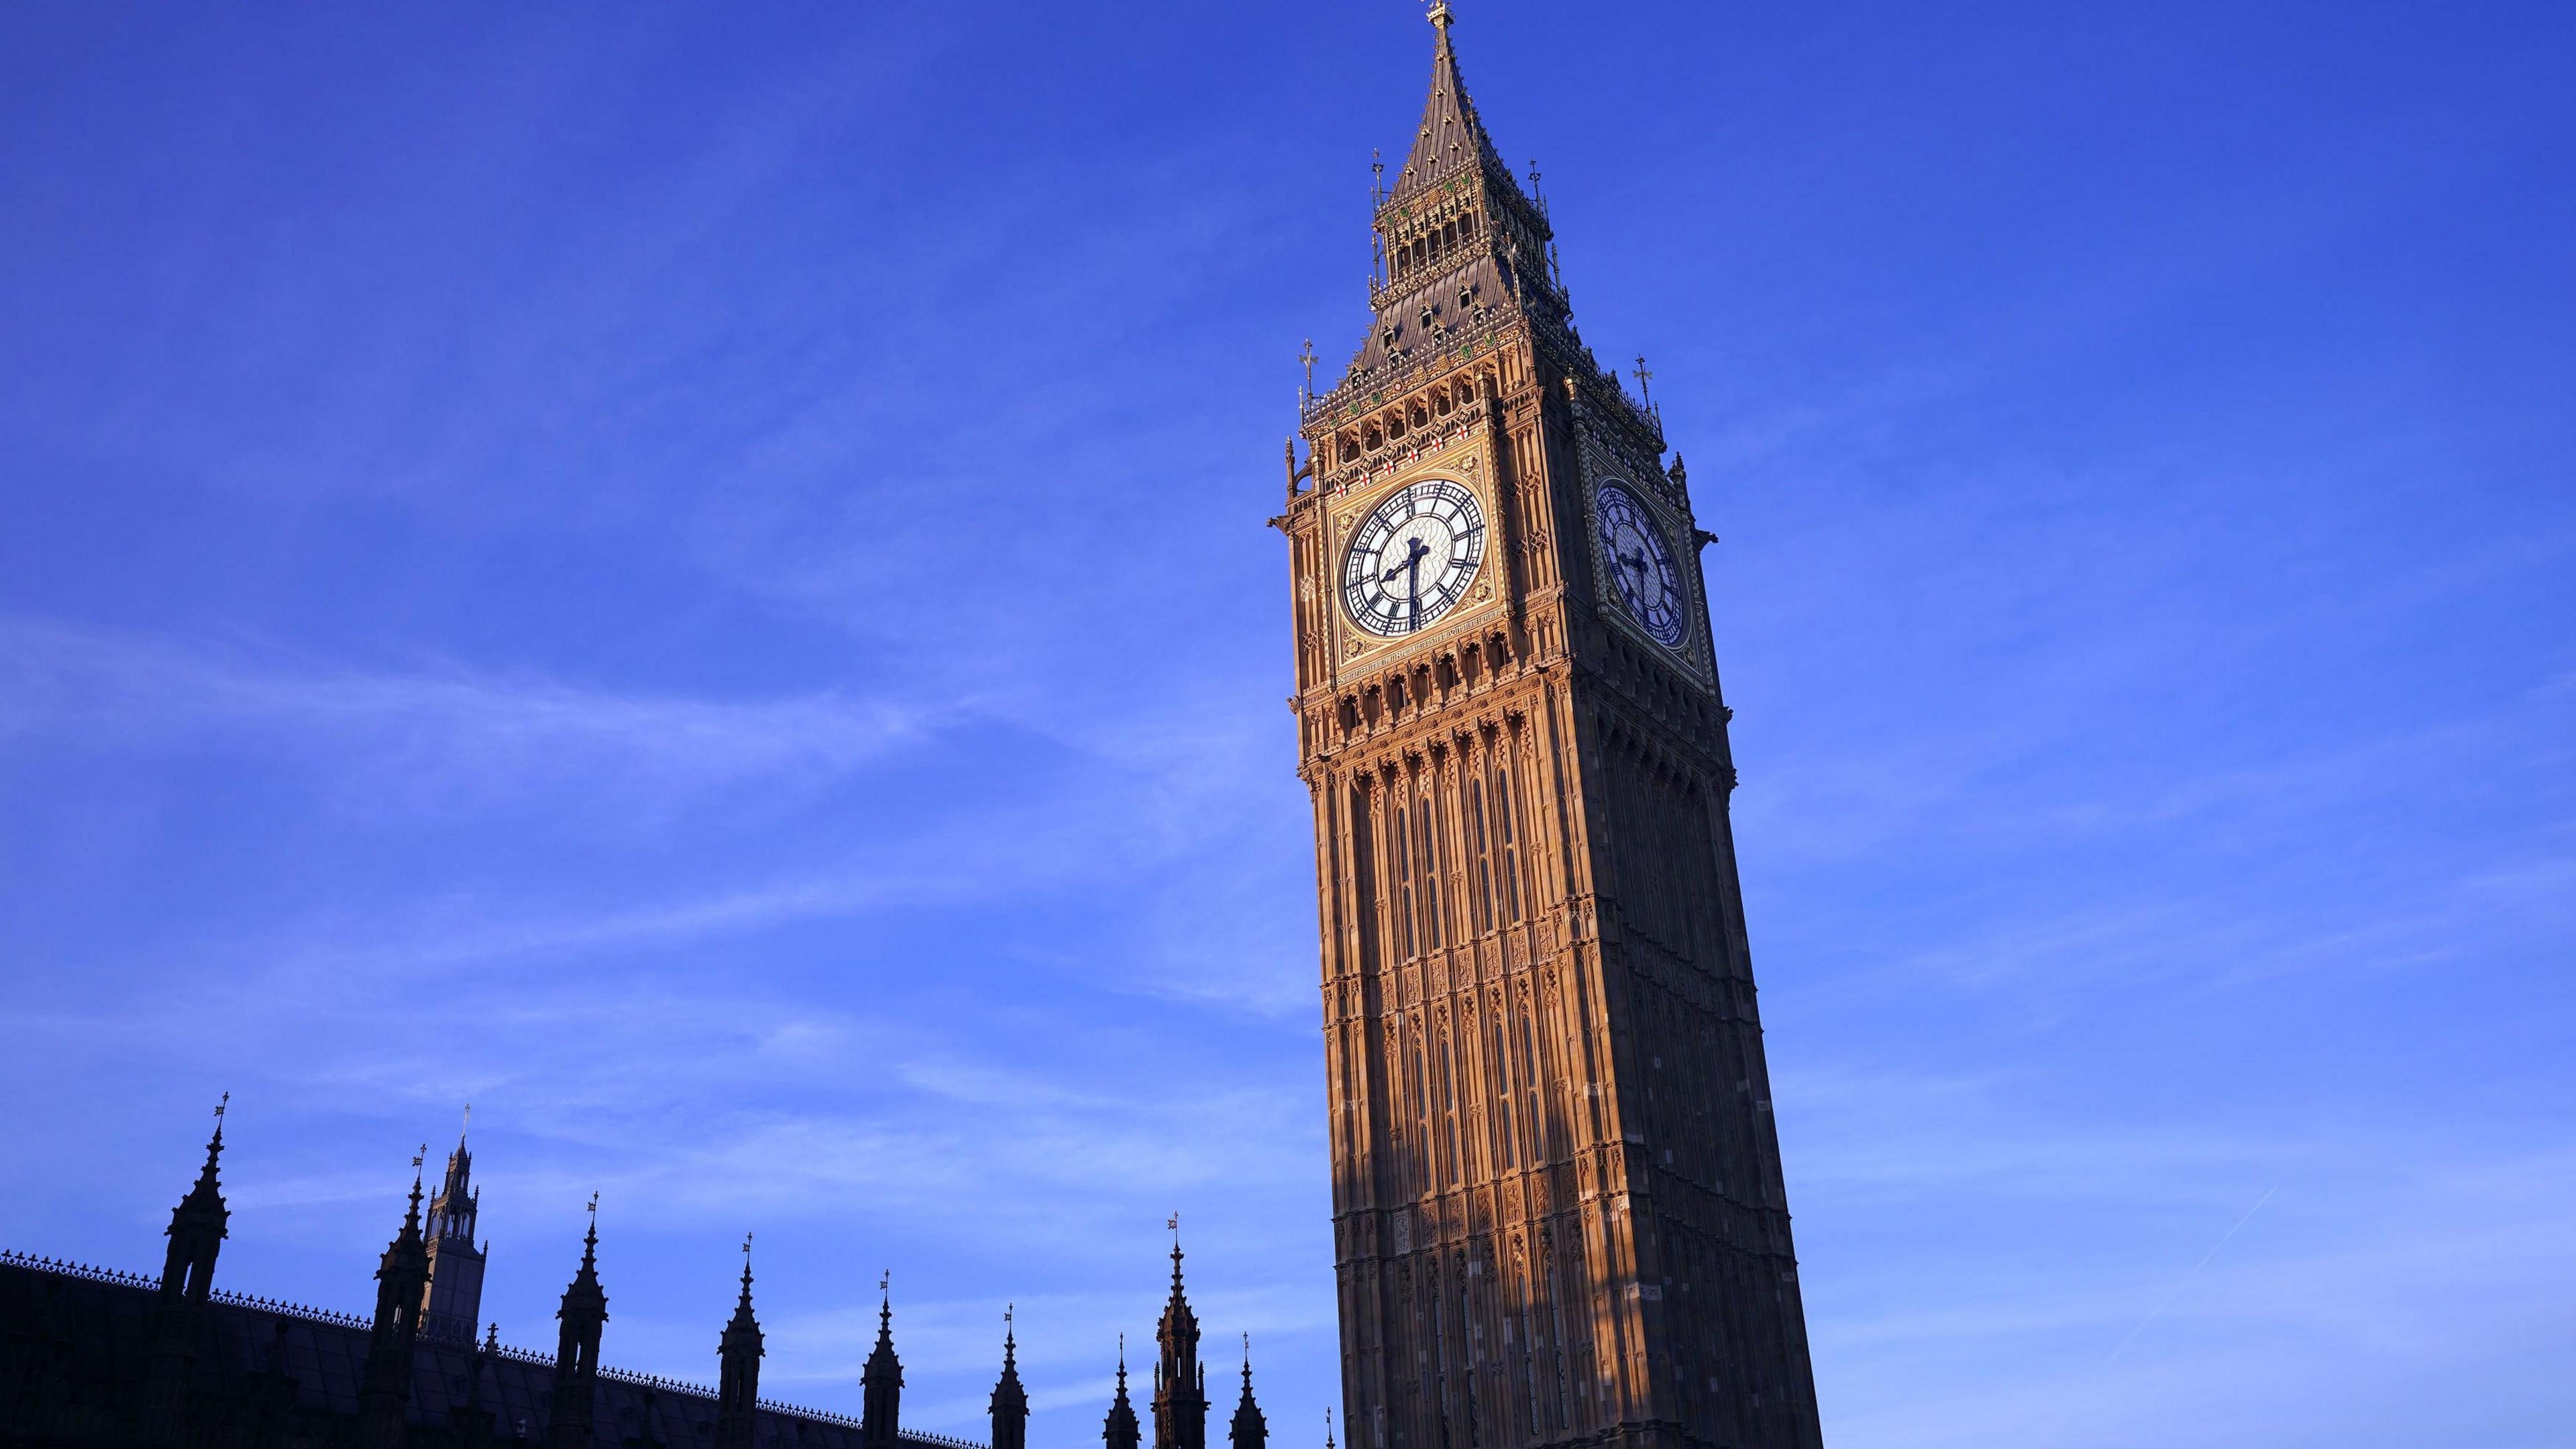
695,576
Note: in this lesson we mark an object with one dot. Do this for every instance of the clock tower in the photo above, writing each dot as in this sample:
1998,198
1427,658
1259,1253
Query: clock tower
1558,1207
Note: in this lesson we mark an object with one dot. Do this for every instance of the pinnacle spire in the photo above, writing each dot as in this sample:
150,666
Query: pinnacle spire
411,1215
208,1184
1451,141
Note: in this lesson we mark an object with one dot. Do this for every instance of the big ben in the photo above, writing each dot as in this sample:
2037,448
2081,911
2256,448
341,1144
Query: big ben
1559,1212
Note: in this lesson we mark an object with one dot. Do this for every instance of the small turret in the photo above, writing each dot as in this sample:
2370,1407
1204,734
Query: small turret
1120,1430
1250,1430
583,1316
1010,1401
384,1392
198,1226
1180,1385
881,1382
738,1354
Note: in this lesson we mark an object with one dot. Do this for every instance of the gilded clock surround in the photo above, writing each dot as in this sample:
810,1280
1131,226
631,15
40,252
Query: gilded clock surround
1559,1210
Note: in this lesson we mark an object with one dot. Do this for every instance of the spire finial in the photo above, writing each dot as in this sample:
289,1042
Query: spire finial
746,1267
1644,377
590,1238
226,1100
1247,1363
465,1126
1328,1428
1439,16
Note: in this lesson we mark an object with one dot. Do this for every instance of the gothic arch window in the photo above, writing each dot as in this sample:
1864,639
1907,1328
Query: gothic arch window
1426,1112
1506,1138
1507,863
1403,888
1449,1100
1480,878
1440,401
1530,1066
1433,821
1370,438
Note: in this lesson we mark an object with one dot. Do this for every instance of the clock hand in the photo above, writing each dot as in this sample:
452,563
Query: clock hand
1412,560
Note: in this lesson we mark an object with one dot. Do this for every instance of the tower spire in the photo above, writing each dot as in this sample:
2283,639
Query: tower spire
582,1319
384,1395
881,1380
1451,142
452,1303
1010,1399
198,1226
1120,1431
1249,1430
1180,1384
738,1354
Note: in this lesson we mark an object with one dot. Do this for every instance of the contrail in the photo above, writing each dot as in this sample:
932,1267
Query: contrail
2186,1278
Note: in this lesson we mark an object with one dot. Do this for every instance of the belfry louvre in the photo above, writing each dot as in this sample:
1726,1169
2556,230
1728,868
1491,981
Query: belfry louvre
1558,1202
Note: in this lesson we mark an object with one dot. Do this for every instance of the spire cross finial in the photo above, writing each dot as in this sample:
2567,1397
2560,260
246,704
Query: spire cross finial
1377,178
1306,355
226,1099
1643,377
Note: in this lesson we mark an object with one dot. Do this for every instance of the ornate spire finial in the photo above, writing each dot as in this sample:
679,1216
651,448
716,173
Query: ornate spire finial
1440,17
1247,1363
226,1100
466,1126
1328,1429
1644,377
746,1267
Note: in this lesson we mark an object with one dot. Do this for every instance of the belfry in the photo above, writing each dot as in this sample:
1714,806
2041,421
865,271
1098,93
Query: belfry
1559,1214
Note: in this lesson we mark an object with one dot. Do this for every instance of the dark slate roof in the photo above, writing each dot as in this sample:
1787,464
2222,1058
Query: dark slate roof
89,1333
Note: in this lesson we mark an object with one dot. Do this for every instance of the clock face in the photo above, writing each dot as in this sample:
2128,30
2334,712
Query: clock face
1413,557
1641,567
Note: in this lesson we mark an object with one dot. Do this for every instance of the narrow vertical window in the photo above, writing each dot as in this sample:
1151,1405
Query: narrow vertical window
1529,1079
1481,881
1449,1103
1435,829
1424,1110
1507,1139
1511,871
1403,887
